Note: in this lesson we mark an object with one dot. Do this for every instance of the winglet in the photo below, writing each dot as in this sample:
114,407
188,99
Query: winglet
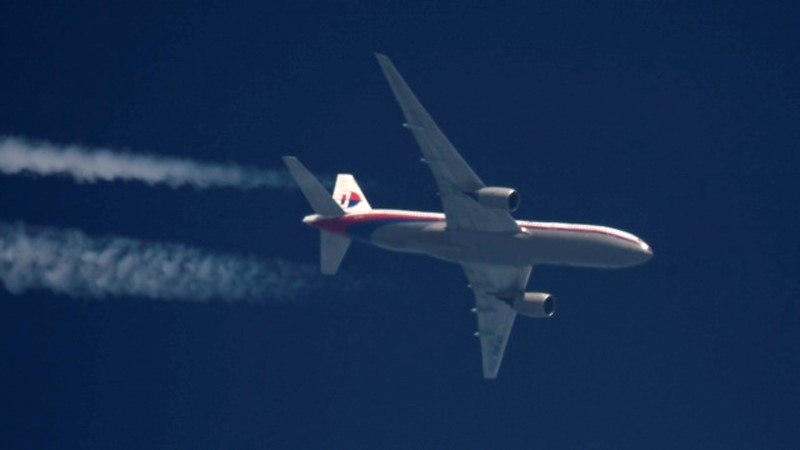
319,198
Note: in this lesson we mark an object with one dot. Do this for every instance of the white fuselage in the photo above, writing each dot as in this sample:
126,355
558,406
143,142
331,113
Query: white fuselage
535,243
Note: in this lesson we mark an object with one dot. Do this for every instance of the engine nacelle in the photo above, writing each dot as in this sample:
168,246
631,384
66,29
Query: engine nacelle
498,198
535,304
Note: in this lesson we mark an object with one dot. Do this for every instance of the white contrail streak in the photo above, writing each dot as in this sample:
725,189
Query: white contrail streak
71,263
90,165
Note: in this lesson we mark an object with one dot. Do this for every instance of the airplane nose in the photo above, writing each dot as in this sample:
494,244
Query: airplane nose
646,249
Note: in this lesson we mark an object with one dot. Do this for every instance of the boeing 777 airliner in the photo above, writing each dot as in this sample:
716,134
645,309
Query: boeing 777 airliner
476,231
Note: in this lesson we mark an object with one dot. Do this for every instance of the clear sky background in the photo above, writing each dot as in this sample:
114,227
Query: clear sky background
676,121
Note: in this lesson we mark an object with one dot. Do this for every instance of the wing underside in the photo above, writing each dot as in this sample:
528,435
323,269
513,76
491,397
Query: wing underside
454,177
495,317
457,184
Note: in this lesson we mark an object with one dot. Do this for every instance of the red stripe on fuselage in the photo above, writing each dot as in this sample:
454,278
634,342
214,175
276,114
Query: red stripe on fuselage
341,224
577,229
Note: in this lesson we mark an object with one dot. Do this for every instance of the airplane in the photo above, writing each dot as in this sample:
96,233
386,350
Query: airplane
476,231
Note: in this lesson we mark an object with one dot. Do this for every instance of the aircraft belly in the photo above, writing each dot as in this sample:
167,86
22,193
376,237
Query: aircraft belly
416,237
510,249
581,249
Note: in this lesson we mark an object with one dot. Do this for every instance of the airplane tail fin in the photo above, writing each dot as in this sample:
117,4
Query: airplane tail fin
349,196
332,246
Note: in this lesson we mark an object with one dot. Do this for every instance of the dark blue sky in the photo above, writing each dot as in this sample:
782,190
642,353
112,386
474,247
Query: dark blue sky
677,121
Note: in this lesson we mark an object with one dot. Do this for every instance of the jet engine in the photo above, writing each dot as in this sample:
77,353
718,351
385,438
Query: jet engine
535,304
498,198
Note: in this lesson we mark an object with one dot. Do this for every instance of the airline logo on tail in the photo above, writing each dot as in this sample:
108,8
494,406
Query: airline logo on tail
348,195
349,199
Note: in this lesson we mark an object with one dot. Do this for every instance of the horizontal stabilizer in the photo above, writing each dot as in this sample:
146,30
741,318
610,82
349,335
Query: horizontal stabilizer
319,198
332,250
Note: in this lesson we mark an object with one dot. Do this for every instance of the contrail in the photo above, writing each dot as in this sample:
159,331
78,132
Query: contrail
71,263
90,165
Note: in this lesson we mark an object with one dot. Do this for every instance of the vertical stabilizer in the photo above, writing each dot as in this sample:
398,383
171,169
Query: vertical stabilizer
348,195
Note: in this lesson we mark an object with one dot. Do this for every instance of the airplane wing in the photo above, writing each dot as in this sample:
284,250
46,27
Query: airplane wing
495,317
453,175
